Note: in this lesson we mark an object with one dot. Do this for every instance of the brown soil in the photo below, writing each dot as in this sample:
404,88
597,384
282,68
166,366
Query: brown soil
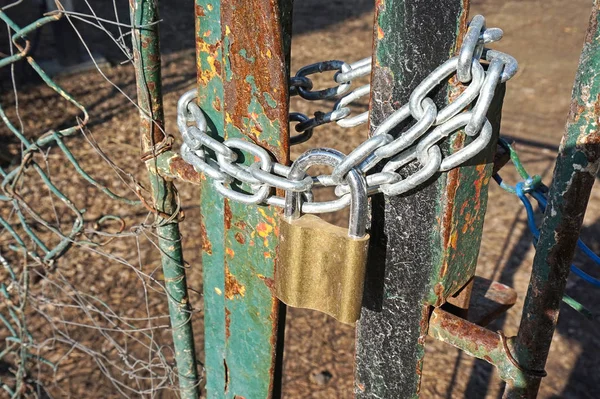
544,35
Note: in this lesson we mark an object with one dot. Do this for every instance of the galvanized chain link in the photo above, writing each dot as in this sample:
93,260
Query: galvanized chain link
418,144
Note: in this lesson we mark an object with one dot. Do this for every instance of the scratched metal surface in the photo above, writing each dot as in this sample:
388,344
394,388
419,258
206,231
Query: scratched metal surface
210,99
574,175
243,77
410,232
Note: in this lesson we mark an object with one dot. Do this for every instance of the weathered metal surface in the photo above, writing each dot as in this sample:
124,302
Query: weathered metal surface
463,209
146,49
330,281
210,99
430,238
574,175
476,341
411,39
489,300
243,48
170,165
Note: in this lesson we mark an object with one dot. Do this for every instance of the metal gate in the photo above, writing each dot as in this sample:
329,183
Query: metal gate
421,270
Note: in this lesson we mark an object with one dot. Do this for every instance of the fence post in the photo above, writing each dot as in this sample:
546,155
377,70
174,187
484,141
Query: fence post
424,245
572,181
146,50
242,55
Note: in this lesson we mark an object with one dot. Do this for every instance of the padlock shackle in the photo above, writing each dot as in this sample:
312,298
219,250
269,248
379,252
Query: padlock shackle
354,179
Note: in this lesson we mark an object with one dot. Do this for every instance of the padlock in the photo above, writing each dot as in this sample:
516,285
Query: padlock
321,266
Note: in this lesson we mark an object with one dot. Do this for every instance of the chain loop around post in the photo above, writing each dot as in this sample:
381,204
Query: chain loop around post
414,154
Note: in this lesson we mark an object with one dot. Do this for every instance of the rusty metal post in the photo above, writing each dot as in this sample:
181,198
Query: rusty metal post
424,245
243,60
574,175
146,49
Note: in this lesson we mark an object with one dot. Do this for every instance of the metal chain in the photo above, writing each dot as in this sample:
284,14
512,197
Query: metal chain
419,144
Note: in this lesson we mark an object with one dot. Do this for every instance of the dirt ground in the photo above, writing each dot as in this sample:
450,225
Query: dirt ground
546,38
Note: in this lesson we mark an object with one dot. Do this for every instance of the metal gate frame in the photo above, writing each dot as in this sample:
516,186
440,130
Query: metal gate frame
243,70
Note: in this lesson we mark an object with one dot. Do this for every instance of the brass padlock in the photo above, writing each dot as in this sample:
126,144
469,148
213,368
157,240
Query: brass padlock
321,266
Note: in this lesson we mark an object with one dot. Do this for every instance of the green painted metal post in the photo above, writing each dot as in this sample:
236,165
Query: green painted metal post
574,175
243,57
210,100
429,238
144,15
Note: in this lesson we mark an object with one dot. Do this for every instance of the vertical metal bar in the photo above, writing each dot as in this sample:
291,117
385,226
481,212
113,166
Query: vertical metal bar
144,17
429,238
256,108
393,324
574,175
243,61
210,100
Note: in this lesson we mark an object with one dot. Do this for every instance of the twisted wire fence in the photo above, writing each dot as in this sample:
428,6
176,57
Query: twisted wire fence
67,325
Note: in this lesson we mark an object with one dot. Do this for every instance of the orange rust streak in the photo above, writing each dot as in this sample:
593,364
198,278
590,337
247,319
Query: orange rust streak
239,237
232,286
184,170
206,244
264,230
247,46
227,323
227,214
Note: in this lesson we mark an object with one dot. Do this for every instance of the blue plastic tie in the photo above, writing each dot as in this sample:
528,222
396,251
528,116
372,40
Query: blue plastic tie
524,188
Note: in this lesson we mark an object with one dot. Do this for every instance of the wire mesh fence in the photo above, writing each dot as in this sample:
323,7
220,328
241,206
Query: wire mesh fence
68,324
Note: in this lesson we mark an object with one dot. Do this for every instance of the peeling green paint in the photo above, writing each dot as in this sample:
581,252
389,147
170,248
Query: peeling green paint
240,312
210,93
270,100
244,54
574,176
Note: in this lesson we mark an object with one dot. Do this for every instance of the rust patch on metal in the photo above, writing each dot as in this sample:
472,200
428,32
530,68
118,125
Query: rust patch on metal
240,224
424,324
217,104
254,55
439,291
269,282
590,144
239,237
447,220
199,11
184,170
482,181
232,286
227,333
205,75
593,26
206,244
575,112
264,230
462,25
423,329
227,214
466,330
